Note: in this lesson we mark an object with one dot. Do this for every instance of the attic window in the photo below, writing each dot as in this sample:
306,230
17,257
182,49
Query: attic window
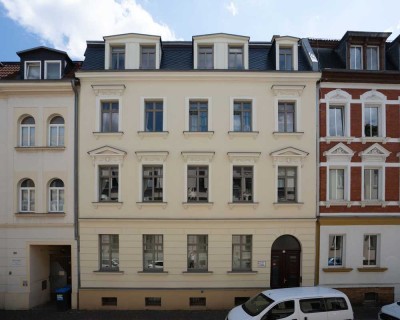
356,57
147,57
205,57
118,58
52,69
285,58
32,70
372,58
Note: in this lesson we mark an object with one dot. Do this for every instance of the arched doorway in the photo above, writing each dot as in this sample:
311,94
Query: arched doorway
285,262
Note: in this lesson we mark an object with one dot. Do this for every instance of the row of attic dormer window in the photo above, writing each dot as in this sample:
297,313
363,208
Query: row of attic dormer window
216,51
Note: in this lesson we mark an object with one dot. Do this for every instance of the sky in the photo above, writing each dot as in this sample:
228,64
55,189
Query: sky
67,24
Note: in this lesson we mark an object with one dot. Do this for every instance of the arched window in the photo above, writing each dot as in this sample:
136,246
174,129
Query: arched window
56,132
27,132
56,196
27,196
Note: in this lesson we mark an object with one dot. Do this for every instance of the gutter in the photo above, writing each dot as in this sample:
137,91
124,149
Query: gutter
317,233
75,84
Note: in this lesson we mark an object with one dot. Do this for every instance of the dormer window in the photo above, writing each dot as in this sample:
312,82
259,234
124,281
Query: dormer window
32,70
118,58
285,58
356,57
235,59
205,58
372,58
52,70
147,57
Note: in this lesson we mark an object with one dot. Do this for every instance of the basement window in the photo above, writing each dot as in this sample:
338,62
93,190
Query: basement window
109,301
196,302
153,301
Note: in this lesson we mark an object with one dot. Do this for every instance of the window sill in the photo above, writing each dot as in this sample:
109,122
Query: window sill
197,204
371,269
99,134
190,134
348,140
42,148
152,272
107,204
243,134
379,203
108,272
198,272
337,269
374,139
242,272
243,204
143,134
152,204
287,134
41,214
288,204
338,203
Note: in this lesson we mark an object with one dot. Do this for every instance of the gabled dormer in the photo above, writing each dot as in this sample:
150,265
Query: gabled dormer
286,53
44,63
221,51
363,50
132,51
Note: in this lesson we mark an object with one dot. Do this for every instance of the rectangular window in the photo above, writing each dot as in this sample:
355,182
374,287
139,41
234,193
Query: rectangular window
197,301
242,116
197,183
153,252
197,246
242,184
153,121
336,121
108,183
152,183
241,252
118,58
371,184
205,58
372,58
32,70
147,57
336,184
109,252
198,116
235,58
153,301
109,301
370,250
287,177
371,121
335,257
53,70
286,117
109,116
285,58
355,58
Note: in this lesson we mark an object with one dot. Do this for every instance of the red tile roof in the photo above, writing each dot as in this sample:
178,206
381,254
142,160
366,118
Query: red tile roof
9,70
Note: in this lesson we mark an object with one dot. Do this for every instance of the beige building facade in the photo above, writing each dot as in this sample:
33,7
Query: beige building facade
196,186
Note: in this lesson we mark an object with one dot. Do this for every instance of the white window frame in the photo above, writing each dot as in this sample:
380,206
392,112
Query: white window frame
26,63
287,42
197,49
142,119
346,182
57,126
298,196
253,114
362,58
343,249
52,62
29,190
377,57
334,98
117,46
381,183
295,101
29,127
58,190
209,112
374,98
377,249
197,159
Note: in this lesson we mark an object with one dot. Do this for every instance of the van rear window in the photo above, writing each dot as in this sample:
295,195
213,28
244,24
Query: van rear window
333,304
312,305
256,304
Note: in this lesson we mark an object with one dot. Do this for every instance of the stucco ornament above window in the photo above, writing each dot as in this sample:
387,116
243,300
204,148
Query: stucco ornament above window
152,156
244,158
197,157
289,156
287,90
107,155
339,153
108,90
375,153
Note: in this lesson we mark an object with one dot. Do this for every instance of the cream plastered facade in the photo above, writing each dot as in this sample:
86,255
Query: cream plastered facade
220,148
28,239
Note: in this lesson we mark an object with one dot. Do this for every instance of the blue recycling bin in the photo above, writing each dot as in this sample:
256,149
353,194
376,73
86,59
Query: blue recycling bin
63,297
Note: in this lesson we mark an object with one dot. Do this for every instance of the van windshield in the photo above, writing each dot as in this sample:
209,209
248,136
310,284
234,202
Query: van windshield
256,304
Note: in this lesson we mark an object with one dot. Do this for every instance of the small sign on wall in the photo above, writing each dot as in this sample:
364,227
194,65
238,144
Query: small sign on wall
261,264
16,262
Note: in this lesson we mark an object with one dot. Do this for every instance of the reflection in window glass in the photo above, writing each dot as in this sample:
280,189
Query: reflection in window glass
108,179
153,253
242,184
197,246
198,116
371,121
287,184
152,183
197,183
153,116
53,70
205,58
235,59
335,257
286,117
109,252
241,252
242,116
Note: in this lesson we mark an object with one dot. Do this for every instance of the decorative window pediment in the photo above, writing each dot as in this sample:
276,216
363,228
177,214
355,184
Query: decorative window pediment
197,157
339,153
152,156
373,96
338,95
287,90
244,158
107,154
375,153
289,155
108,90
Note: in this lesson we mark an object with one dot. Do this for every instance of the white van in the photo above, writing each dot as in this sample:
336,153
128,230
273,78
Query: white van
311,303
